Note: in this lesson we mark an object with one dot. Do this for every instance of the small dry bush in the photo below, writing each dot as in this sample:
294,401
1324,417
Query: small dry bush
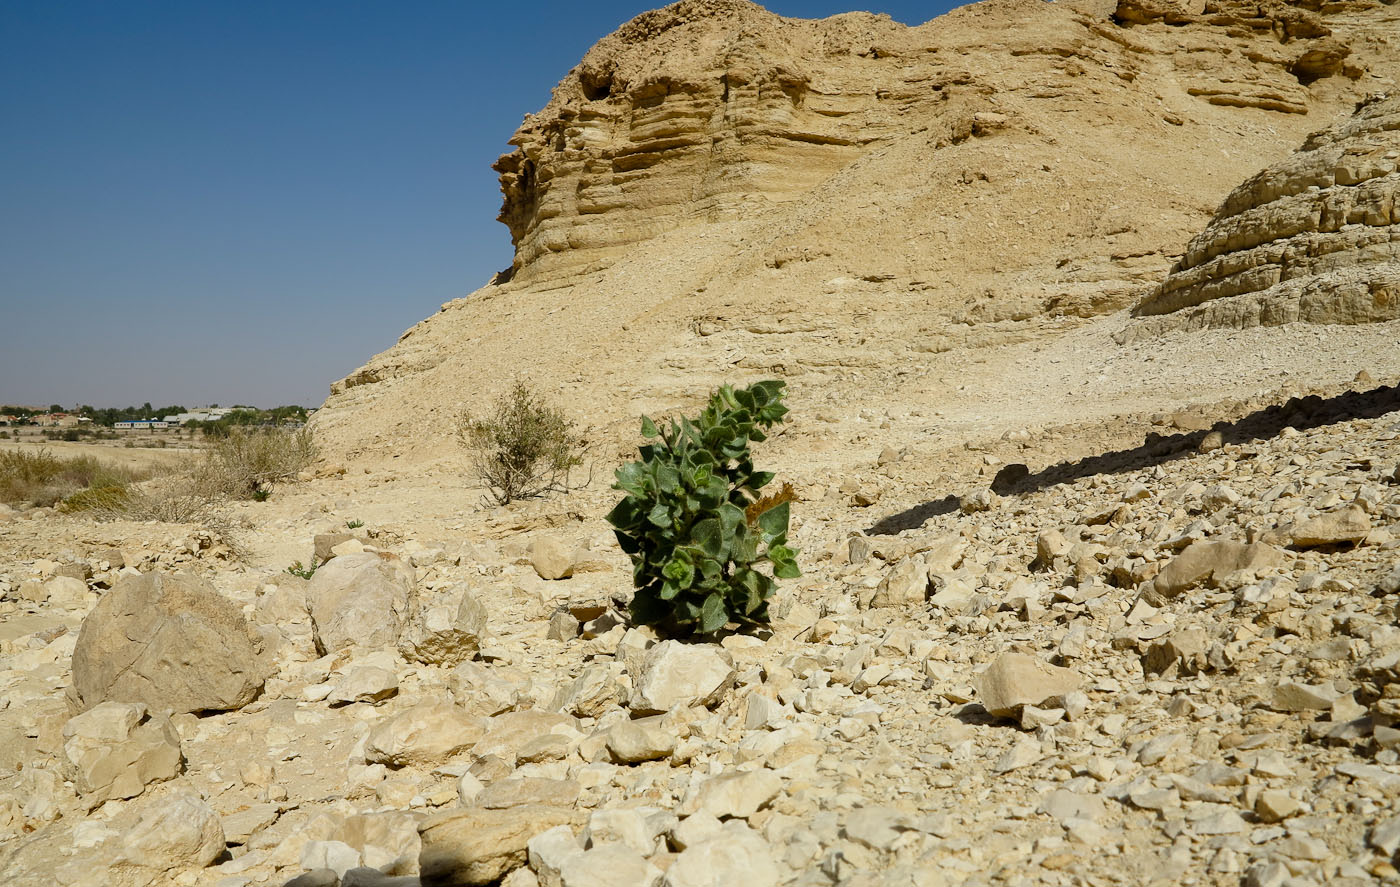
249,461
44,479
524,447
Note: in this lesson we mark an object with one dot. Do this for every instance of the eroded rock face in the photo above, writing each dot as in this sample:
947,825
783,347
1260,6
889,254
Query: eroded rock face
699,106
853,193
170,642
1315,237
1298,48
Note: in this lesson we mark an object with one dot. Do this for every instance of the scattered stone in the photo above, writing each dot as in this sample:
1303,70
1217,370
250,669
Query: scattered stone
563,626
1276,805
444,634
675,674
906,584
736,856
359,601
177,832
597,690
1023,752
365,683
608,865
1296,696
1205,561
644,739
738,795
425,735
1347,527
114,750
1015,680
477,846
551,558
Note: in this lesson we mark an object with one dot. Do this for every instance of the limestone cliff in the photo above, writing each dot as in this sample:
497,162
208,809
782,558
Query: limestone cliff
704,111
1315,237
716,191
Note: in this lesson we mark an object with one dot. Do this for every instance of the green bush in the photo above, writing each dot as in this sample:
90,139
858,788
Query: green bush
693,521
524,448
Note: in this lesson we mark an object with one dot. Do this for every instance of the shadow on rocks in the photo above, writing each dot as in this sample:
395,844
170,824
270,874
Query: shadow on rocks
1301,413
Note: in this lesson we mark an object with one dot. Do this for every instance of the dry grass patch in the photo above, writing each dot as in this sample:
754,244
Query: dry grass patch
43,479
242,466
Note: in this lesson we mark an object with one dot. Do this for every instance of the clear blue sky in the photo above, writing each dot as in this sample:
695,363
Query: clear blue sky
240,201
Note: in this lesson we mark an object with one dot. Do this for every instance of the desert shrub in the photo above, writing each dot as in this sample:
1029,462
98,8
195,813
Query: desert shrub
245,462
97,499
524,447
693,521
44,479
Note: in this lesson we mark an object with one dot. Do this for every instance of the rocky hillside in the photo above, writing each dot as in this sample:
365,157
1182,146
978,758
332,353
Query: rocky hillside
718,192
1315,237
1173,663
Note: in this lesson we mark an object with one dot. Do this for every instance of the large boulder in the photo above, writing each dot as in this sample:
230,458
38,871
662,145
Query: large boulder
170,642
1015,680
1211,560
175,832
359,600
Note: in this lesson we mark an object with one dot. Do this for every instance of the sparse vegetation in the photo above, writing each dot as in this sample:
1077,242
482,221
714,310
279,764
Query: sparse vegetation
243,465
248,461
693,520
44,479
524,447
354,524
296,569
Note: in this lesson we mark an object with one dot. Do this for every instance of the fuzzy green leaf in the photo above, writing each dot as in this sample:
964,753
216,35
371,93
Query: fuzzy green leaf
713,615
774,521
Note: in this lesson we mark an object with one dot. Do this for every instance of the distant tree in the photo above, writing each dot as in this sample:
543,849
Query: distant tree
55,408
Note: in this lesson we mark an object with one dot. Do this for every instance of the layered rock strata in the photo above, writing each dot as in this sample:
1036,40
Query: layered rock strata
1315,237
716,190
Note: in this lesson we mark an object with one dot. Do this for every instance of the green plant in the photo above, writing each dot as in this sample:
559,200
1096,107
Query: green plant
296,569
525,447
261,495
693,521
354,524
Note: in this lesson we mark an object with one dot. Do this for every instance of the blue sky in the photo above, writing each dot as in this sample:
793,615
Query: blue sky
240,201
